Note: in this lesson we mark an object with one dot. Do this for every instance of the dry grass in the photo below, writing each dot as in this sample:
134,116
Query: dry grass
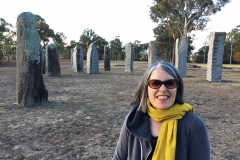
84,114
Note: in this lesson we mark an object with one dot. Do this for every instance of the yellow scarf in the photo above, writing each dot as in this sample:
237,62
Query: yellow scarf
167,138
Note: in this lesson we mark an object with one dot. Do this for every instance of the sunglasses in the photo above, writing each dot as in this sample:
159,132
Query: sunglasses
156,84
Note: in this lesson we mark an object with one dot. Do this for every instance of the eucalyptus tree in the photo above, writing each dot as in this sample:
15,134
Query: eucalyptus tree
100,43
44,31
164,42
116,49
7,42
183,16
232,44
60,41
87,37
67,49
139,49
236,57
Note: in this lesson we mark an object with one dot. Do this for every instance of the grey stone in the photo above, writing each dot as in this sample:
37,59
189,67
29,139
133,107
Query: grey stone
71,64
30,86
52,61
77,65
215,56
106,58
92,59
129,49
43,57
181,56
152,53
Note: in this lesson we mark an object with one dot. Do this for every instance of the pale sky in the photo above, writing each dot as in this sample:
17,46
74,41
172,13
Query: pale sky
128,19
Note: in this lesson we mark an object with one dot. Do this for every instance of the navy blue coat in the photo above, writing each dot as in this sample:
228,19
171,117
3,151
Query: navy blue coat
135,138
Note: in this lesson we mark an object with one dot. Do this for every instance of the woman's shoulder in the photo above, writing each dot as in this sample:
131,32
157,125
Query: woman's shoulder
192,120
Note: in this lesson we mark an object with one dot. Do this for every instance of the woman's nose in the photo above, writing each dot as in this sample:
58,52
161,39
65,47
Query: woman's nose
162,88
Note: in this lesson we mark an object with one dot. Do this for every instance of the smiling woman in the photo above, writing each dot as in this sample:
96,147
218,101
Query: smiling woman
160,125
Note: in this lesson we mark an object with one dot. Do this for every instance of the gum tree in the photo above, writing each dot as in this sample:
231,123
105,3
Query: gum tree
7,43
116,50
180,17
44,31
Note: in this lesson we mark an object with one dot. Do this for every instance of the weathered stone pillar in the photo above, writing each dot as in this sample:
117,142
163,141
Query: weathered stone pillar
53,66
129,49
71,64
30,86
92,59
181,56
215,56
152,53
77,59
106,59
43,58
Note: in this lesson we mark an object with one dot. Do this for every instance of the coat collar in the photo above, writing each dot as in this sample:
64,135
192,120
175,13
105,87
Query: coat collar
138,124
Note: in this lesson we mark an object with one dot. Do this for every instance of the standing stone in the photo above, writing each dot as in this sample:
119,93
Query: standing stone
152,53
215,56
30,86
106,59
43,58
181,56
71,64
92,59
129,48
53,66
77,59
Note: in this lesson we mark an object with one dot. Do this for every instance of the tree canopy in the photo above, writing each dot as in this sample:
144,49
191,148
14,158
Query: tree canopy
184,16
87,37
139,50
116,49
7,42
177,18
44,31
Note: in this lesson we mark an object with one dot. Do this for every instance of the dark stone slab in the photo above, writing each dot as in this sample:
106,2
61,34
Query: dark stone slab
30,86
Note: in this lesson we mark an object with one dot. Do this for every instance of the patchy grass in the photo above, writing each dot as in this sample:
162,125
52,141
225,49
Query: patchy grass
85,112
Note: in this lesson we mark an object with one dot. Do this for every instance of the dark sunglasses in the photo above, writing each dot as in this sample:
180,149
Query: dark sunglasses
156,84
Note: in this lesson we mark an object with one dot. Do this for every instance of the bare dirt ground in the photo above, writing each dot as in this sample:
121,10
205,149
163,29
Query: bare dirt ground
85,112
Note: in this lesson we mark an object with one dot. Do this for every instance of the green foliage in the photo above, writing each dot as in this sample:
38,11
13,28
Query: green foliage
44,31
139,50
164,42
232,39
116,50
199,55
236,57
185,16
7,44
100,43
176,19
87,37
66,54
59,39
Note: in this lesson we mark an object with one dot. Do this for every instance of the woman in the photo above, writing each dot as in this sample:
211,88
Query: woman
160,126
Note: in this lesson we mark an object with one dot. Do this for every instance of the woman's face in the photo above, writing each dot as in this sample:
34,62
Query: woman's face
161,98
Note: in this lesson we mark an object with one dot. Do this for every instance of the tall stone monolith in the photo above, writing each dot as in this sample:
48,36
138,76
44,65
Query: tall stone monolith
92,59
181,56
106,58
215,56
30,87
129,49
71,63
43,57
52,61
152,53
77,59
